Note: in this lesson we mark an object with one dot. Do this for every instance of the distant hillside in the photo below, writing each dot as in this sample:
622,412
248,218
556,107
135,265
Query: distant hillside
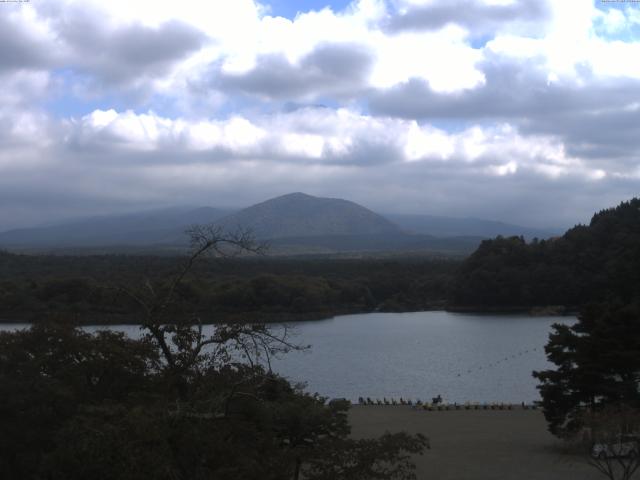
475,227
588,263
135,229
301,215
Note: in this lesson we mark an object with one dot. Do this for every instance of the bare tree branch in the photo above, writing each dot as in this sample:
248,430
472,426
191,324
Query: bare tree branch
184,345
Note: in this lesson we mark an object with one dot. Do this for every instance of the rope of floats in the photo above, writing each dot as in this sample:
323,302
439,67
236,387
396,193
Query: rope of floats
439,406
437,403
498,362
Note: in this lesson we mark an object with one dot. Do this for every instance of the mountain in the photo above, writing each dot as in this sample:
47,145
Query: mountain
134,229
296,223
301,215
475,227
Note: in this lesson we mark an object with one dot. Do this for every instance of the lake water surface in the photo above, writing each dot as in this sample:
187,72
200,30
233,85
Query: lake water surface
463,357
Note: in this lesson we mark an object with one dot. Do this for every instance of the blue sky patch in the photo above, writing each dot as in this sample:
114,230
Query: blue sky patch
289,9
65,103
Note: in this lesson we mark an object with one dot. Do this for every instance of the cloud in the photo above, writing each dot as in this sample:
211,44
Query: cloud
294,58
83,42
123,158
22,88
608,137
595,119
512,89
330,69
22,43
488,108
475,16
128,54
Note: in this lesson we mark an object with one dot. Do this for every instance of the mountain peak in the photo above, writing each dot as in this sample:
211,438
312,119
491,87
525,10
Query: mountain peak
301,215
300,197
294,195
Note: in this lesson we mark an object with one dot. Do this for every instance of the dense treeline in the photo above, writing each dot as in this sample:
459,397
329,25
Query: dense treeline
588,263
88,288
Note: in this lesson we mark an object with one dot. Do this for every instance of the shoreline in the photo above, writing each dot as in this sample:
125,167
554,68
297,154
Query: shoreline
108,319
532,310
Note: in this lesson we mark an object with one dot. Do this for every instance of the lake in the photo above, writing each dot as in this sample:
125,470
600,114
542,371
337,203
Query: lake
463,357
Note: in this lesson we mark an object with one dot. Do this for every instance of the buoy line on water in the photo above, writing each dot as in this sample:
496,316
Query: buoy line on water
498,362
438,406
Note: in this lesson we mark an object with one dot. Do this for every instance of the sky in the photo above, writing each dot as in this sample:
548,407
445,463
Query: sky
525,111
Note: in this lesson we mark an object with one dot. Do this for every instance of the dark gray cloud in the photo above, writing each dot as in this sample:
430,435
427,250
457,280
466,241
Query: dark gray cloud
512,89
595,119
612,135
471,14
366,153
21,49
129,52
81,41
102,186
139,45
335,69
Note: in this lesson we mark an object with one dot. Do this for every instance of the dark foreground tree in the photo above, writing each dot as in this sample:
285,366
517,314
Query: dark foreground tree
592,398
176,403
597,364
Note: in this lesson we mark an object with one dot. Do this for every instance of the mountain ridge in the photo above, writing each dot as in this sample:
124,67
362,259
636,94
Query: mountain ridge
442,226
301,215
137,228
297,221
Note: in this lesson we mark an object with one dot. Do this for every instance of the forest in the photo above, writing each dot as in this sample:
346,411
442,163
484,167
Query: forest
589,263
89,288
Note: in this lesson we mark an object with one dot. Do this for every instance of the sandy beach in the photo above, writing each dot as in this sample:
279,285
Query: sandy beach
478,444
